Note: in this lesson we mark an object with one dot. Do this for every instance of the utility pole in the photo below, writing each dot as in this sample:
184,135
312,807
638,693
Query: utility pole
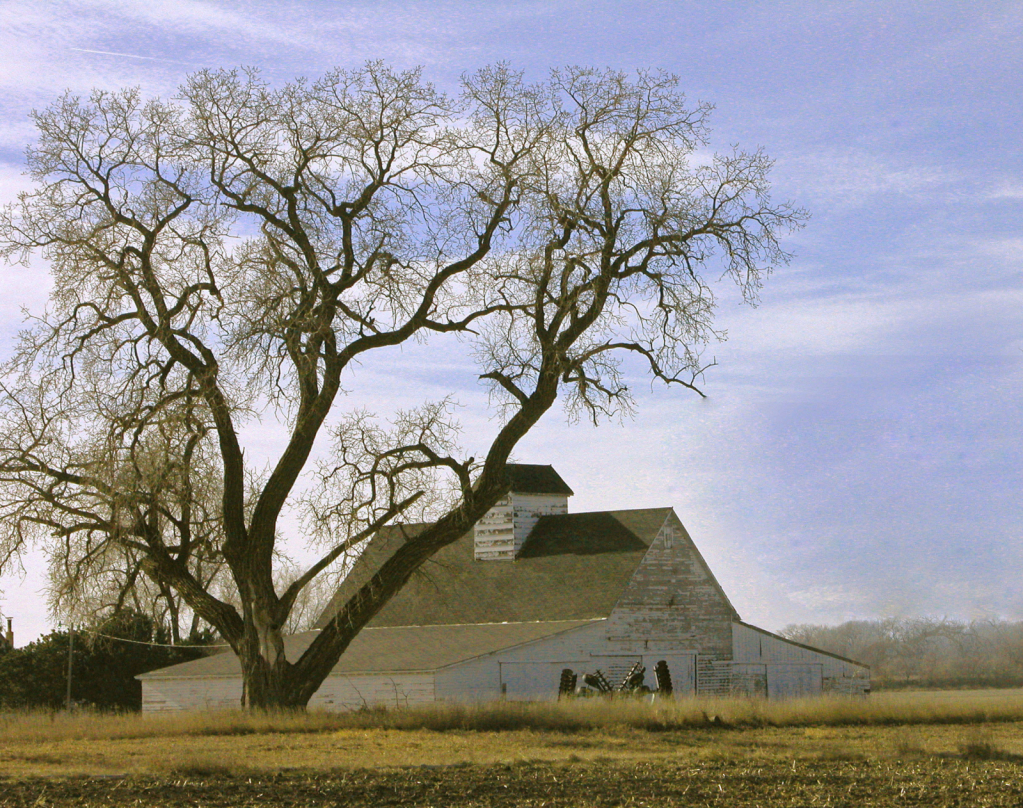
70,660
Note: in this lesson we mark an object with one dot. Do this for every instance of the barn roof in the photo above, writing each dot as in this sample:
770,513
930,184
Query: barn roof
572,567
380,650
524,478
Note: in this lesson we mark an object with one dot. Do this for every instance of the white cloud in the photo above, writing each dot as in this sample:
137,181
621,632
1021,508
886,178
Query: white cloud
1009,190
850,177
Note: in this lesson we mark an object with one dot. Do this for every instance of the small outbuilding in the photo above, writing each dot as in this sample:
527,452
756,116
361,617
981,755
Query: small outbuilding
530,593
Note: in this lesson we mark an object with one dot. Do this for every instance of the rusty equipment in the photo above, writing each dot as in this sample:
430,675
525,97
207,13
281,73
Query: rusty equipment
597,684
566,687
663,677
632,682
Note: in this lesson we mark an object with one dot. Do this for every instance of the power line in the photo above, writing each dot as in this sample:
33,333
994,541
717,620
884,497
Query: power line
154,644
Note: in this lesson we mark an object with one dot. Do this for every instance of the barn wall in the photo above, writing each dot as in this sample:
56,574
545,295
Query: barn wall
772,666
494,533
672,606
500,533
171,695
336,693
530,671
402,689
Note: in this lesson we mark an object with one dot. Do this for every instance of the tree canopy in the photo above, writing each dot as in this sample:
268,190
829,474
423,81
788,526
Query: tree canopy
105,662
235,251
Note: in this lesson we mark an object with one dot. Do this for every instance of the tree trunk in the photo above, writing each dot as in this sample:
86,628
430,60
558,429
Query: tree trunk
267,676
267,686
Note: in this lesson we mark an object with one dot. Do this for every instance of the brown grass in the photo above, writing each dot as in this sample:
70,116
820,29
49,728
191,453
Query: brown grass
886,746
574,716
974,726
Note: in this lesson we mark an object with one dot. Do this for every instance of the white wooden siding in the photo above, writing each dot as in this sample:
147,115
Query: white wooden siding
682,668
765,664
337,693
530,681
500,533
171,695
672,609
494,533
793,681
533,671
673,600
527,668
403,689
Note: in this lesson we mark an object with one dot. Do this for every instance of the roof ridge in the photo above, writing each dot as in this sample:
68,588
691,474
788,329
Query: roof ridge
611,510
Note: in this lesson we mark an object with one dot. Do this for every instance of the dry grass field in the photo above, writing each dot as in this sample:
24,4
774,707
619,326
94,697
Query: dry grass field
934,749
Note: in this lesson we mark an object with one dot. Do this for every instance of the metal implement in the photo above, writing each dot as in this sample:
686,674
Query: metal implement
631,684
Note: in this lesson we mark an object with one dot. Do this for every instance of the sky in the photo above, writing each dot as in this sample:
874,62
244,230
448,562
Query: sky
858,453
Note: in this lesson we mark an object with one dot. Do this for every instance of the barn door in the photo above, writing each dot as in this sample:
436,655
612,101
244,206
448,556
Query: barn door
531,681
794,681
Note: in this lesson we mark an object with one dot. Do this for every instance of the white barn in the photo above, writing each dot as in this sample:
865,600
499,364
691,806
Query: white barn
531,591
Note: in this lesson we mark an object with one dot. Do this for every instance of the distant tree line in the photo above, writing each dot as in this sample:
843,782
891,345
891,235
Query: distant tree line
106,660
925,652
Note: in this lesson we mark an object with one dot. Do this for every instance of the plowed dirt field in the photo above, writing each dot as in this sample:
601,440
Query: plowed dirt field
929,782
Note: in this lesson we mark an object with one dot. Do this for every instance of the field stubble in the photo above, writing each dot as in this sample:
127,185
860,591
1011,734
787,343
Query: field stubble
910,749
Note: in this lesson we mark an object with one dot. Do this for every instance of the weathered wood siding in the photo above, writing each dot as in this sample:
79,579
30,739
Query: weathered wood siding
494,534
766,664
532,671
499,535
337,693
172,695
673,609
400,689
528,508
528,672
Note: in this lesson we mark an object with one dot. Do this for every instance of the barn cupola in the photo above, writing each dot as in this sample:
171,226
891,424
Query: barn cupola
532,492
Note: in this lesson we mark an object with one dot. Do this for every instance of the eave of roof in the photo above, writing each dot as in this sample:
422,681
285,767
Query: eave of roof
802,645
391,650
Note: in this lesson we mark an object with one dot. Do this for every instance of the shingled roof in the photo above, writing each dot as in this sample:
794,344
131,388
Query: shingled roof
572,567
529,479
385,650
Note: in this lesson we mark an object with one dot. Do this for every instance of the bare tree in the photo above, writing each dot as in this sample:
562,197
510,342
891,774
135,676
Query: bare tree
235,252
96,578
925,651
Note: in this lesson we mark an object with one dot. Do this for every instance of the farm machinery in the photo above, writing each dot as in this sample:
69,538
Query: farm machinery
598,684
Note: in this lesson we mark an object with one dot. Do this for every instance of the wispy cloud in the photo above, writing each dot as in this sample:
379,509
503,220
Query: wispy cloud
135,56
852,177
1008,190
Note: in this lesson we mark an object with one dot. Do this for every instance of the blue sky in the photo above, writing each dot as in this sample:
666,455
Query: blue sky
858,454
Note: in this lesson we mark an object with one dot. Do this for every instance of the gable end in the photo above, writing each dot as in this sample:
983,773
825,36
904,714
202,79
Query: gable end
673,596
